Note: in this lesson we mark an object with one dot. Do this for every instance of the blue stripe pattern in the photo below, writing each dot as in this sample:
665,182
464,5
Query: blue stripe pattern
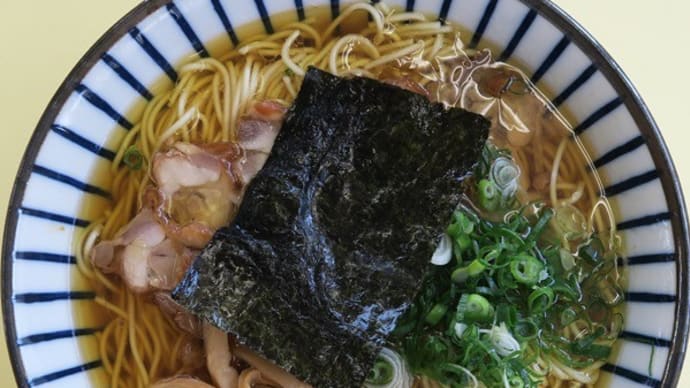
299,7
619,151
153,53
187,29
597,115
335,8
68,180
97,101
551,59
631,375
644,221
53,217
218,7
41,297
64,373
265,18
649,297
649,259
445,7
645,339
409,6
83,142
44,337
126,76
630,183
483,22
518,35
45,257
576,84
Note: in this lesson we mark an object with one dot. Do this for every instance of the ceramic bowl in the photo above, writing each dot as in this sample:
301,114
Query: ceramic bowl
43,292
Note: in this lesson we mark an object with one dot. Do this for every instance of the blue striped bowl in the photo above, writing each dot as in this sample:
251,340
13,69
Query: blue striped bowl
51,345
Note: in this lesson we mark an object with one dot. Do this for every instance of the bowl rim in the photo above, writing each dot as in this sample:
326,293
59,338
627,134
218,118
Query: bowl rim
546,8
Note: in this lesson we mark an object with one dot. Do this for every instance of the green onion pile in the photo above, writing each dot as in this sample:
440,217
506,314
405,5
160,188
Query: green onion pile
511,301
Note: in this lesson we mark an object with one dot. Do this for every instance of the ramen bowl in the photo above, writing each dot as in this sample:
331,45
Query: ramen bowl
48,305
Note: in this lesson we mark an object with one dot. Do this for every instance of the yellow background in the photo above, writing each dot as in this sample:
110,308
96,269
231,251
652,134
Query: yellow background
40,41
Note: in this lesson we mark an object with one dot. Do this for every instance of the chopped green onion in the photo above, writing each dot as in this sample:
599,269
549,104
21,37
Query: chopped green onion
506,313
492,255
526,269
506,299
390,370
459,328
569,288
504,174
460,275
381,373
525,329
476,267
443,252
540,225
464,375
474,307
502,340
465,223
133,158
505,279
404,328
436,314
592,251
516,382
586,346
568,316
540,300
288,72
488,195
473,269
489,154
459,231
454,230
651,360
463,242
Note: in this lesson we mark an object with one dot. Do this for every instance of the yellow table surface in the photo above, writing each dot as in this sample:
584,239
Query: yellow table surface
40,41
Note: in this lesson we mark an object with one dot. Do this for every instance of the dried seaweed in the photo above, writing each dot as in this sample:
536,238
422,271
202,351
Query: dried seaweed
333,238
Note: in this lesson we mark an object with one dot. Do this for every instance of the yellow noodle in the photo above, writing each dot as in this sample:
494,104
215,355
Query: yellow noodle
136,352
103,346
152,334
120,355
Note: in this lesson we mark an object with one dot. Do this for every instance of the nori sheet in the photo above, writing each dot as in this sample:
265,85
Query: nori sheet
332,240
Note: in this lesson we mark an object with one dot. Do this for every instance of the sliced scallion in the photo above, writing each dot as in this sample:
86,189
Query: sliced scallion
474,307
473,269
436,314
504,174
133,158
526,269
526,329
540,300
381,373
443,252
489,197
